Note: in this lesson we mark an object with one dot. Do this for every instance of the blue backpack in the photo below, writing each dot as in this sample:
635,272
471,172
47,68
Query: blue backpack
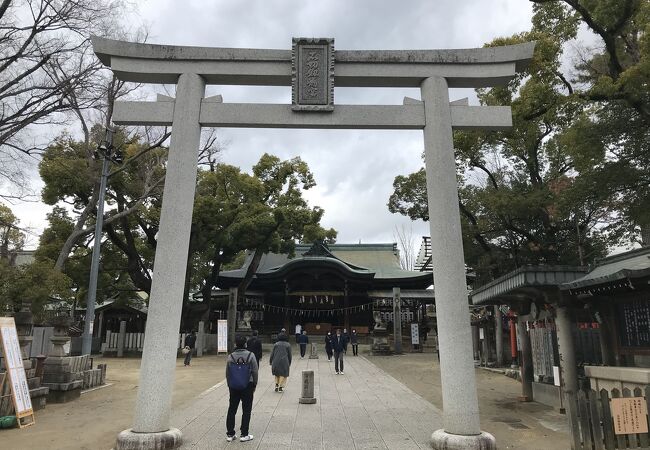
239,373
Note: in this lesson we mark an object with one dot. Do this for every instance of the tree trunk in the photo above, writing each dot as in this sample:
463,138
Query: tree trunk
251,270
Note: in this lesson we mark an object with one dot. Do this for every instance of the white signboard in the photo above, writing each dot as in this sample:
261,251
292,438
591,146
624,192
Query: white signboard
14,364
481,334
222,336
415,334
556,376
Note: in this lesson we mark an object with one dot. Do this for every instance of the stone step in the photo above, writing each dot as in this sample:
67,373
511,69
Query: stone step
33,383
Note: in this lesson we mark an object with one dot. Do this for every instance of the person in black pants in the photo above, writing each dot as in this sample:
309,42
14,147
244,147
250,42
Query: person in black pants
254,344
303,340
354,340
338,345
245,396
328,346
190,341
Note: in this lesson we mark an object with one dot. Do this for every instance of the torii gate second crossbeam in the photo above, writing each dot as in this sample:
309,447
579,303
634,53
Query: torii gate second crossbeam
312,68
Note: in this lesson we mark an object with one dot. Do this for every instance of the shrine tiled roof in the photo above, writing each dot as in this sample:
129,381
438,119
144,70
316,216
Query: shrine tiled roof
617,269
378,260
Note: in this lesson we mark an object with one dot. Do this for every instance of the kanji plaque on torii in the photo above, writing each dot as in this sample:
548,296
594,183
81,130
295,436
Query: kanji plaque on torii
312,74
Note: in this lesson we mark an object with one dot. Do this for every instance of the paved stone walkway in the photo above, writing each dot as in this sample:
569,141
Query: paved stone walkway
364,409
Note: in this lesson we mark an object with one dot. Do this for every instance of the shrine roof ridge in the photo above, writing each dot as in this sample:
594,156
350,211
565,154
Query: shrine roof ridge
520,54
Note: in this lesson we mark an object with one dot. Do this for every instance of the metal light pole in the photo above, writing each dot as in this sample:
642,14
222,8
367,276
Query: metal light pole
105,149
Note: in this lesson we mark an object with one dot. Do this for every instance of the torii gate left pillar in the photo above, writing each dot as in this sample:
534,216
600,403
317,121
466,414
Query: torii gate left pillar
310,69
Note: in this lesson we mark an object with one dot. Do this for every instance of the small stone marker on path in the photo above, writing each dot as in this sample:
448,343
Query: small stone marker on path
314,352
307,387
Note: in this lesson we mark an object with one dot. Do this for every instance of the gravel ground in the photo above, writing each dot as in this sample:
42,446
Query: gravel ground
515,425
94,420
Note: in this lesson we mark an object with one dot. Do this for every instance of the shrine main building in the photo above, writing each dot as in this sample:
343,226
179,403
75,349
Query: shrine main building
327,286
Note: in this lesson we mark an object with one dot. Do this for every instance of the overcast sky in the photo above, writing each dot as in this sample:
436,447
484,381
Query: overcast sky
354,170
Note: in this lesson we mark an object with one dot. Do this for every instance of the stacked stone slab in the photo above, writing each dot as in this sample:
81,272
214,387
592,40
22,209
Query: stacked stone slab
94,377
64,376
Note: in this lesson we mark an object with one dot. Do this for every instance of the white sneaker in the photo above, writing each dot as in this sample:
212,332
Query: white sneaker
231,438
246,438
342,373
337,373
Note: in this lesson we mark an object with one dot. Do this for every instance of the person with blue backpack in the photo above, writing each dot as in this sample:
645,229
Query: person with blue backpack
241,376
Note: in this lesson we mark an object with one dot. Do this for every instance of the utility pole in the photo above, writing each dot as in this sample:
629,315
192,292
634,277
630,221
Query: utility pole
104,150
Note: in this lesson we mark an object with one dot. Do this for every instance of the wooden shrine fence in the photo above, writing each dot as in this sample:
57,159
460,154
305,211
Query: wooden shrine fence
592,424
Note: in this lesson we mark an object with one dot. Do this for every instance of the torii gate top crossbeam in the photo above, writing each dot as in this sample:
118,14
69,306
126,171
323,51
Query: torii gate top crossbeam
462,68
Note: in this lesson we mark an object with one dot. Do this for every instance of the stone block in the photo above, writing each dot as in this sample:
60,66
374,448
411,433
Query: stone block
39,392
103,368
59,377
57,369
57,360
64,386
39,403
56,396
33,383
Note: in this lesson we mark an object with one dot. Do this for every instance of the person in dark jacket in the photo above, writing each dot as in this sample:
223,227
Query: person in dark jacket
328,346
245,396
190,341
354,340
338,345
303,340
254,345
280,361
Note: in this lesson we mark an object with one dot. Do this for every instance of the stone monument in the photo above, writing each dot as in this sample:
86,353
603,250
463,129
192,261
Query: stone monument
309,69
314,352
307,396
62,374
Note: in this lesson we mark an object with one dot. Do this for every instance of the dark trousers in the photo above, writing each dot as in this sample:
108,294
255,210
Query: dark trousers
303,349
355,349
188,357
246,398
338,360
329,354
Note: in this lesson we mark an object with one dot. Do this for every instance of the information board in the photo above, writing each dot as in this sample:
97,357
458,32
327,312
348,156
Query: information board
222,336
415,334
629,415
15,370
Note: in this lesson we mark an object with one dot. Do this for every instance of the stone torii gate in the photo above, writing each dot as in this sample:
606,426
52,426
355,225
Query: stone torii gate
312,68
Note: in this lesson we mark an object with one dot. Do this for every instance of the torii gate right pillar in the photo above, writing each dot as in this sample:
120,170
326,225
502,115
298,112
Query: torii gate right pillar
461,423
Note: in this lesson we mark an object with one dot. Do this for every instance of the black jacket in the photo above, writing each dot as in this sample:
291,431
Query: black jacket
338,343
303,339
254,345
190,340
328,343
354,339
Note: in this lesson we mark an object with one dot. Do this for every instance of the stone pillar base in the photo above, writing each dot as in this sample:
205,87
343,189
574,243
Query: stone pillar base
441,440
130,440
307,400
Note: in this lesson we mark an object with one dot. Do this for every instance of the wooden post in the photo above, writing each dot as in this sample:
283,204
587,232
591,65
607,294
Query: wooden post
121,339
526,363
513,342
397,320
498,334
200,339
232,317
